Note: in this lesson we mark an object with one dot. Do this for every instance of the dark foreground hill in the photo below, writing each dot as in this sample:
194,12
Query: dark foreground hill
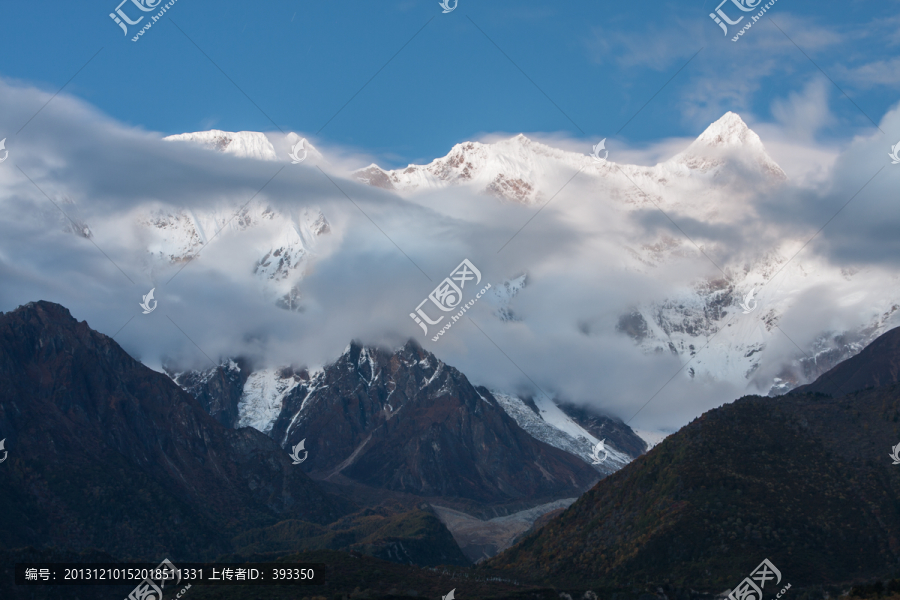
877,365
106,454
804,480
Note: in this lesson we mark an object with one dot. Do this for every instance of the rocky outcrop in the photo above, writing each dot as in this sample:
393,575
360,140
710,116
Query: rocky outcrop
407,422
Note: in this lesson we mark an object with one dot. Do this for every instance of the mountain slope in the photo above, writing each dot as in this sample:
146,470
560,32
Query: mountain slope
239,396
218,389
552,424
405,421
98,443
876,366
803,480
411,537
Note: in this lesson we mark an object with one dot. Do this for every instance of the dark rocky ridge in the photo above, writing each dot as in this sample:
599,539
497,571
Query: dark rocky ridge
218,389
106,453
405,421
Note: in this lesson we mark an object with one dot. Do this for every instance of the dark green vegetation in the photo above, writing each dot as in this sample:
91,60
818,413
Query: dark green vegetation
415,536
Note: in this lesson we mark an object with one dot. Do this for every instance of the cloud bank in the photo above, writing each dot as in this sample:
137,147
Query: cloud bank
77,183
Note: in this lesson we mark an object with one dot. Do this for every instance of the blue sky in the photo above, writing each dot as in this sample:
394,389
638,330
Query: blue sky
598,62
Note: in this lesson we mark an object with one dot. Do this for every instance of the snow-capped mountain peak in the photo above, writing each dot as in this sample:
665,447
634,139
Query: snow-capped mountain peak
729,131
508,169
247,144
515,168
729,136
251,144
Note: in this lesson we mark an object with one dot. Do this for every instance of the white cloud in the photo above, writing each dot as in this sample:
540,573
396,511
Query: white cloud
362,287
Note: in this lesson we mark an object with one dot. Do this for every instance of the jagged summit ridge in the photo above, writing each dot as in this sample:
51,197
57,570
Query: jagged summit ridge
250,144
286,403
515,168
508,169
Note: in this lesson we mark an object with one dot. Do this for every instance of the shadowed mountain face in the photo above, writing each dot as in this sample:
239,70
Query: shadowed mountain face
406,422
106,453
876,366
803,480
603,427
218,390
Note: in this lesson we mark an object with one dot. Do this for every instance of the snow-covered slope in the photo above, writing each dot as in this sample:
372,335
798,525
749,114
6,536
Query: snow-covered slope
553,427
177,235
653,438
289,243
706,183
508,169
718,143
249,144
710,312
263,395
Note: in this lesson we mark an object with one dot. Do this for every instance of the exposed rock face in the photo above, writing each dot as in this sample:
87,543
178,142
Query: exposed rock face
218,389
405,421
99,443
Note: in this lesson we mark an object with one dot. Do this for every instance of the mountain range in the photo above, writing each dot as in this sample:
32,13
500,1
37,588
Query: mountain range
98,443
404,425
395,439
412,461
106,454
706,182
